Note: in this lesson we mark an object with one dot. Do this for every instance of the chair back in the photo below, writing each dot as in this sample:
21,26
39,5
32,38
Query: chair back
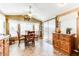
31,35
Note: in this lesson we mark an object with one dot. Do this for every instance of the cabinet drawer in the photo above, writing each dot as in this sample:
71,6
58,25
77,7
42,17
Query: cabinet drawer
55,36
66,47
66,38
57,43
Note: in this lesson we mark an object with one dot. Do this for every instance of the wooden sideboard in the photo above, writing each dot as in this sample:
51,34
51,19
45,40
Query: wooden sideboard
64,43
4,45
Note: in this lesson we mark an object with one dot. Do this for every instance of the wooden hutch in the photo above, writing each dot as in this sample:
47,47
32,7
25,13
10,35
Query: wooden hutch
64,43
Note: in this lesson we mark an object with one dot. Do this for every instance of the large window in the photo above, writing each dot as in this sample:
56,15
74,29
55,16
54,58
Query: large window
13,27
28,26
24,26
2,24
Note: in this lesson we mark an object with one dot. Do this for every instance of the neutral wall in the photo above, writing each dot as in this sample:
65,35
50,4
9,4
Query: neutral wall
69,20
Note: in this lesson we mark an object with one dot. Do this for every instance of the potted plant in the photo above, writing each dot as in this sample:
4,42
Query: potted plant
68,30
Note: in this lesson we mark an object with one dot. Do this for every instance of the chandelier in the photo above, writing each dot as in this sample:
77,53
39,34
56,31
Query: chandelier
29,15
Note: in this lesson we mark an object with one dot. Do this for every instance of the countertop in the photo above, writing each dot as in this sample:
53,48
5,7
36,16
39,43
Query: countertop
2,37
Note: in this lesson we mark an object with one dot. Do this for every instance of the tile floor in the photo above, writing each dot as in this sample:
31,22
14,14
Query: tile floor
41,48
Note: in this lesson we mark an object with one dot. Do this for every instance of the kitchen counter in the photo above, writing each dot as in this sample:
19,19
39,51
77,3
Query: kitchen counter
2,37
4,45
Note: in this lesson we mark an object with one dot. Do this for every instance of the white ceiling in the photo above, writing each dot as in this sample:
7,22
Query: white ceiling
42,11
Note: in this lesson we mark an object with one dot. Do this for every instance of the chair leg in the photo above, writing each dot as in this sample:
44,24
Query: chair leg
26,44
19,44
33,43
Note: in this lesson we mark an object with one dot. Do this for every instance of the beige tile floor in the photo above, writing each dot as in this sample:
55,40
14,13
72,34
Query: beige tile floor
41,49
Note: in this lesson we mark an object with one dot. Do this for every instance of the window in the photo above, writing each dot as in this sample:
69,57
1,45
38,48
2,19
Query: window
28,26
25,26
37,30
2,24
13,27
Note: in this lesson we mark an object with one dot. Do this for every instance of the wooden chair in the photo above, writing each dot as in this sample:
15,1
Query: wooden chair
20,38
30,38
11,40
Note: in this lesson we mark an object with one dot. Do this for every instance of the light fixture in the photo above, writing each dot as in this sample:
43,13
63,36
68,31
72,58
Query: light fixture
29,15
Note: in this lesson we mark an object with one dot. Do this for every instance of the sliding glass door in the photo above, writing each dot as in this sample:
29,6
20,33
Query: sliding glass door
49,29
46,31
